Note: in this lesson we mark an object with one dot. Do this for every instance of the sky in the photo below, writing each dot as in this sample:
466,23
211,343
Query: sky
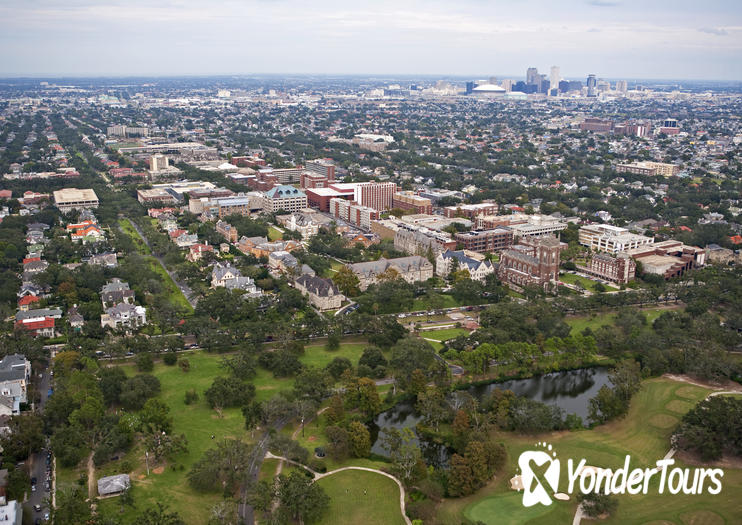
653,39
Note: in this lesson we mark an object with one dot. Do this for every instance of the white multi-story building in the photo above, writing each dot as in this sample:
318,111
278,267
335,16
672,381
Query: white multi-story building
286,198
611,239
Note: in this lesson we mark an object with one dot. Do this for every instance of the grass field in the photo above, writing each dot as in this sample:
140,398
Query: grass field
421,303
443,335
644,434
126,226
274,234
596,320
198,422
361,497
587,284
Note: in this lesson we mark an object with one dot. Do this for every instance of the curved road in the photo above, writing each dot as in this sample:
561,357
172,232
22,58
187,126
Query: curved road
318,475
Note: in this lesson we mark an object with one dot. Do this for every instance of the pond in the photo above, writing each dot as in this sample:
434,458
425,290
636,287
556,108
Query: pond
570,390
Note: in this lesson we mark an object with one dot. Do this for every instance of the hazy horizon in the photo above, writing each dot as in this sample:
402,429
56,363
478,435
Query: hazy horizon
633,40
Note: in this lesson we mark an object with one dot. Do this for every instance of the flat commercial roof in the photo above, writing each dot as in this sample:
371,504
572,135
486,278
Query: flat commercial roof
74,195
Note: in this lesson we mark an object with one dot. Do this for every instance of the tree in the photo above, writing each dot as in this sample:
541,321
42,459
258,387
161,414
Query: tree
25,436
136,390
359,440
260,496
333,342
337,366
185,364
347,281
338,445
71,507
404,453
369,402
313,383
372,357
112,379
155,417
229,392
335,413
144,362
242,365
223,467
300,498
159,514
433,407
595,504
253,414
460,478
224,513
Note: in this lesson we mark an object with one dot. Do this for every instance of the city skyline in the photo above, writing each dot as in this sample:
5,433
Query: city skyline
612,39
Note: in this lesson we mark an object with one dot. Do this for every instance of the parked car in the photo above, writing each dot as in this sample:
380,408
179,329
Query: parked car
37,508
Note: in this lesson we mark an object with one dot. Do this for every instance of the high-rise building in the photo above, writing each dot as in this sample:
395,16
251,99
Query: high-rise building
531,75
592,84
324,167
376,195
470,87
622,86
554,80
507,84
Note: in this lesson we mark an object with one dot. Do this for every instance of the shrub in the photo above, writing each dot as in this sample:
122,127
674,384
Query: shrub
191,396
170,358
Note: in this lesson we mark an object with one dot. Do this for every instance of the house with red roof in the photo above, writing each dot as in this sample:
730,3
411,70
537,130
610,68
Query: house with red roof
37,326
736,239
25,302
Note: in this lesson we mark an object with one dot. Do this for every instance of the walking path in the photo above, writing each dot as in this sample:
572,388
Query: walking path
318,475
732,389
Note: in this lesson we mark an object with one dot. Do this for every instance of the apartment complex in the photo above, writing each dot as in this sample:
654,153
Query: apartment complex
485,241
353,213
376,195
410,201
471,210
649,168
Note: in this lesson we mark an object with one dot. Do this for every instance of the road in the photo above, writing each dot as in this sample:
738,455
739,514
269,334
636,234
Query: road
184,288
37,462
246,512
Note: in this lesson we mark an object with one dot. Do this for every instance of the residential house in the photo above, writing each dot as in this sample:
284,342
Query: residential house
283,261
108,260
196,251
75,319
227,276
323,294
124,316
116,292
15,374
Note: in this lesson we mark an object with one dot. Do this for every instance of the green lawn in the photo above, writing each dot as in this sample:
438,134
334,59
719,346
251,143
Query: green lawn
198,422
446,301
126,226
317,355
361,497
274,234
598,319
587,284
644,434
443,335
